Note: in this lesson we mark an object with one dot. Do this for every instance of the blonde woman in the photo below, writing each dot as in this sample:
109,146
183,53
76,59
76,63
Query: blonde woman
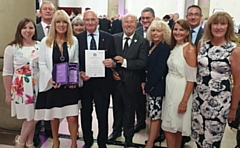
57,101
215,100
156,70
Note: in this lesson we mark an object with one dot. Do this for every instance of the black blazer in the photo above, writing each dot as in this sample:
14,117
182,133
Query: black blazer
136,57
116,26
199,36
139,31
156,70
106,43
104,25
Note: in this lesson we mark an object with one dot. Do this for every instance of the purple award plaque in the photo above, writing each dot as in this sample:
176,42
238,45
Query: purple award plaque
73,74
60,73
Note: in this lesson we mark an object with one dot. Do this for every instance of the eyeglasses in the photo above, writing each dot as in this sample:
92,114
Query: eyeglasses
194,14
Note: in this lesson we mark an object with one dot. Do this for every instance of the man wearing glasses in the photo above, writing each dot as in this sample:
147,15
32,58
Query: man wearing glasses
194,17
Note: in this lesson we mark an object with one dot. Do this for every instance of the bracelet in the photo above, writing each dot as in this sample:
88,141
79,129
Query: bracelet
183,104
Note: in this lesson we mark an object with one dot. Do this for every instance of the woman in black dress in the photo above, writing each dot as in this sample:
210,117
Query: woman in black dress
57,101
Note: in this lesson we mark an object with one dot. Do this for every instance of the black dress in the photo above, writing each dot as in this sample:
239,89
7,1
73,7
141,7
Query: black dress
60,102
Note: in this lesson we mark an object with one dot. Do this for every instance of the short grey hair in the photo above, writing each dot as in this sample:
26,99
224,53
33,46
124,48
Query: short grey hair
149,9
131,15
77,20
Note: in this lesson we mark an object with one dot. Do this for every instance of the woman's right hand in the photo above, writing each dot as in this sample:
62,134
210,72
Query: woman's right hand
54,84
8,99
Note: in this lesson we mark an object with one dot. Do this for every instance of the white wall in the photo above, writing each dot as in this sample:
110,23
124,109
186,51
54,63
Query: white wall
161,7
230,6
99,6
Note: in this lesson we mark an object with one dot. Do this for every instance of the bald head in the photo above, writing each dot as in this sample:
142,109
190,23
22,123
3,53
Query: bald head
90,21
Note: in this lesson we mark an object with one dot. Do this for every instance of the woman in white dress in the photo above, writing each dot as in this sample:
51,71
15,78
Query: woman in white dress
20,77
176,113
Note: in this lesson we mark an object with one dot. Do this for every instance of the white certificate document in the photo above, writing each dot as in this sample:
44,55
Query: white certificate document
93,60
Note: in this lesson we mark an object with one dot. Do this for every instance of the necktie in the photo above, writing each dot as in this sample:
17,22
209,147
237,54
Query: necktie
191,33
125,48
93,45
48,28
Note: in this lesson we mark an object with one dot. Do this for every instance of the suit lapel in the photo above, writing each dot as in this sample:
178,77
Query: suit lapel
199,36
133,44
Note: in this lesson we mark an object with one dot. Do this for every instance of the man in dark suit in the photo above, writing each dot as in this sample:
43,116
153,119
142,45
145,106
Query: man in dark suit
147,16
95,88
47,10
104,24
193,17
131,50
116,25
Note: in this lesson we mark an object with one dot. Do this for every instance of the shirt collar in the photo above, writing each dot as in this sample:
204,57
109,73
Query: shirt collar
196,29
44,25
124,36
96,33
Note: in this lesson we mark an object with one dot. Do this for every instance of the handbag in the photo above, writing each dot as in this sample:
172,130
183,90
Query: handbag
235,123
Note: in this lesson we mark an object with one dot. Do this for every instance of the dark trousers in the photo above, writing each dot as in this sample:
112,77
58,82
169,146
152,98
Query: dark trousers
141,109
124,105
101,105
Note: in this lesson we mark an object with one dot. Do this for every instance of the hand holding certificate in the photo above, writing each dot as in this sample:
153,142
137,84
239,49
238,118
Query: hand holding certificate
94,65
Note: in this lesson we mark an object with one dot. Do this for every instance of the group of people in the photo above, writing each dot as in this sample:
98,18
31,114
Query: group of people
185,82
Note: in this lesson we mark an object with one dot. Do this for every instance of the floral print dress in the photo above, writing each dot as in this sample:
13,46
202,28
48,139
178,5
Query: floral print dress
22,64
212,94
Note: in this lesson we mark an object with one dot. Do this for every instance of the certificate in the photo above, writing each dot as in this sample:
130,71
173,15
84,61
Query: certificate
93,63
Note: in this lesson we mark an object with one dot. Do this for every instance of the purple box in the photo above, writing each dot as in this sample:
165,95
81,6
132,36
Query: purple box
73,74
60,73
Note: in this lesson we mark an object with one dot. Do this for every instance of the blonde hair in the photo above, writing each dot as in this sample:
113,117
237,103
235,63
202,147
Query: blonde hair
159,25
52,32
220,17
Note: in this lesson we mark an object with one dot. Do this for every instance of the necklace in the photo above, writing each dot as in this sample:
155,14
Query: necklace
62,58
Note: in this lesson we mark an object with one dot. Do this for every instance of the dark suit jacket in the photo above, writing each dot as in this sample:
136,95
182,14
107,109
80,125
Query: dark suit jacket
40,32
116,26
156,70
199,36
104,25
139,31
136,57
170,23
106,43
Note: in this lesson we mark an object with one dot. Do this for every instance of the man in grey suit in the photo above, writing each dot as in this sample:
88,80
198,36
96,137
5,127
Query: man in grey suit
131,59
47,10
193,17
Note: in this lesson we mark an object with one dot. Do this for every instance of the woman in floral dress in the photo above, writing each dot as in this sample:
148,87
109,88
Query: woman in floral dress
215,100
20,77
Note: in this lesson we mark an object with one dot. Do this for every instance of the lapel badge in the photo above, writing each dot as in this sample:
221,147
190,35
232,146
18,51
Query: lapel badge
135,40
103,40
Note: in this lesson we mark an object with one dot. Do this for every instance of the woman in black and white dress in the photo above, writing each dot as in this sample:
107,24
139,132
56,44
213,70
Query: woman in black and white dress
57,101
